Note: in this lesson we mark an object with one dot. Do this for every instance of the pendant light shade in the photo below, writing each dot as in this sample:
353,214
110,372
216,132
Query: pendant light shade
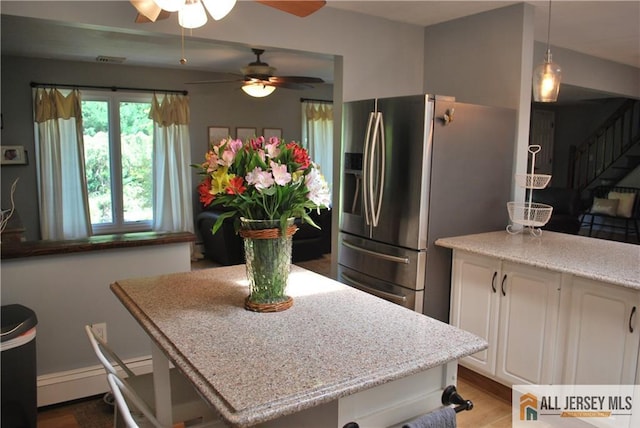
547,76
192,15
258,90
170,5
546,81
218,9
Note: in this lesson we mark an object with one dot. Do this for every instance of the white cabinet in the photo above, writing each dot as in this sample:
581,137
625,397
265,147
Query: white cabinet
512,306
603,335
475,305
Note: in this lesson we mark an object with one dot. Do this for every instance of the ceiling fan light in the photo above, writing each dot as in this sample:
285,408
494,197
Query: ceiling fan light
192,15
258,90
170,5
546,81
218,9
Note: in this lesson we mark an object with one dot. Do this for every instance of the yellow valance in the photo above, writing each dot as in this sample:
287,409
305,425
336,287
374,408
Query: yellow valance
52,104
172,110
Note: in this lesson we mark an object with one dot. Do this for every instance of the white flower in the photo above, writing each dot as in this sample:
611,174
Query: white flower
318,188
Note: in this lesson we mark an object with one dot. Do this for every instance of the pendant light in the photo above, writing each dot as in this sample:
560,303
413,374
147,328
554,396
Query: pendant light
257,89
547,76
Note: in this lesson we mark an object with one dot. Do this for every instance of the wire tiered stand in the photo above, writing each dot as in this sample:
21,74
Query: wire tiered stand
531,215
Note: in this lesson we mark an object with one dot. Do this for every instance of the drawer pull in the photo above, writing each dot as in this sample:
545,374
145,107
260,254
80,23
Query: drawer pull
504,278
387,257
633,311
493,281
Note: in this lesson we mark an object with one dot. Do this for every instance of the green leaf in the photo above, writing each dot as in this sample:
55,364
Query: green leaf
221,218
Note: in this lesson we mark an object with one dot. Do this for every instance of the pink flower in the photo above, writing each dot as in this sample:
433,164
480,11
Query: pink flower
280,174
235,145
272,148
260,179
227,157
211,161
257,143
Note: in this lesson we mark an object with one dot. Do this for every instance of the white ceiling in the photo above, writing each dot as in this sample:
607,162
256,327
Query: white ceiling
604,29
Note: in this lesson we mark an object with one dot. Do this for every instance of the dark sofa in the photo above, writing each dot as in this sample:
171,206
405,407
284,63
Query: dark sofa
566,203
226,247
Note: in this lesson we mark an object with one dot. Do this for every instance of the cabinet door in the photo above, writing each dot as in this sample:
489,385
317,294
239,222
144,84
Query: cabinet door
474,305
528,321
603,336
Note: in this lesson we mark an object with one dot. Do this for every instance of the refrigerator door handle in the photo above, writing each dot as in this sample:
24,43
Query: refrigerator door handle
378,293
387,257
382,146
366,173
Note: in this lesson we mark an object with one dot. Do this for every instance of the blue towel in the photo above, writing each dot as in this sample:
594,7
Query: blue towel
441,418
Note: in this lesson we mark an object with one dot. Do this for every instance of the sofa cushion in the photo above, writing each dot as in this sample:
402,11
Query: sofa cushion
625,203
604,206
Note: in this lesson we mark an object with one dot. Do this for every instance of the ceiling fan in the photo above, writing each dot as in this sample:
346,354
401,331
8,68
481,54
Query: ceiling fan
152,10
261,74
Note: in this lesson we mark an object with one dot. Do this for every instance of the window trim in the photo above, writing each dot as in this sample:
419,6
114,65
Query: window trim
115,155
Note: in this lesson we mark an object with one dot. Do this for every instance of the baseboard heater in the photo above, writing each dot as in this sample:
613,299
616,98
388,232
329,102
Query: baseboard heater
79,383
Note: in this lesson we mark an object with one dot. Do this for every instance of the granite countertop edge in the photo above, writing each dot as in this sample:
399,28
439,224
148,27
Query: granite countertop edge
580,264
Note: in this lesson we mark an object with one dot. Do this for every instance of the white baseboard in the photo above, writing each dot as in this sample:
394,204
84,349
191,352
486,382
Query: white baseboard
70,385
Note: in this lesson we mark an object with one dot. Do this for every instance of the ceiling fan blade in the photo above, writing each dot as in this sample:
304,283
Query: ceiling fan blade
148,11
220,77
288,85
296,79
299,8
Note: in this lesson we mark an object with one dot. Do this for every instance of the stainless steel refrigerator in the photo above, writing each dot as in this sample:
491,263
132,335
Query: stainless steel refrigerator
415,169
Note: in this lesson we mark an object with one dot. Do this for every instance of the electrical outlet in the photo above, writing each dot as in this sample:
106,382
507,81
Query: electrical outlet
101,330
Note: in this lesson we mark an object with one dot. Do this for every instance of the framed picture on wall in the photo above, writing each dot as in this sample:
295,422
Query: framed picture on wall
245,133
272,132
13,155
217,133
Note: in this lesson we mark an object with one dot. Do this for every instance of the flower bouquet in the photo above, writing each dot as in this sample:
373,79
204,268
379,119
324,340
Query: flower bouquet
264,185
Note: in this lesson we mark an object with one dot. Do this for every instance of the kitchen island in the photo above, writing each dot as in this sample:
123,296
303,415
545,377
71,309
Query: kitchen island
553,308
337,355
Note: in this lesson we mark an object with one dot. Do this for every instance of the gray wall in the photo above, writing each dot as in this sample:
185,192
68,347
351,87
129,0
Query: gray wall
211,104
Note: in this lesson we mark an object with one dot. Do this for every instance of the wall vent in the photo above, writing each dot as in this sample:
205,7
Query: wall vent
111,59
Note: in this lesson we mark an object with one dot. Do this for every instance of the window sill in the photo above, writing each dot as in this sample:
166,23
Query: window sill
14,250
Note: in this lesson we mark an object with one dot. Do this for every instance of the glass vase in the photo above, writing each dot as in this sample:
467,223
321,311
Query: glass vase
268,261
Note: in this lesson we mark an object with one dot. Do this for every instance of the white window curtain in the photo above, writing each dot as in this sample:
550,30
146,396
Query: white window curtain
172,192
317,135
64,206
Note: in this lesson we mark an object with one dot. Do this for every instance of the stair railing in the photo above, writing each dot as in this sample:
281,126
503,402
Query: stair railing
605,146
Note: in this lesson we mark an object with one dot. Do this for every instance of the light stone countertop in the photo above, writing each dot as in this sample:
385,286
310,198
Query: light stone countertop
253,367
608,261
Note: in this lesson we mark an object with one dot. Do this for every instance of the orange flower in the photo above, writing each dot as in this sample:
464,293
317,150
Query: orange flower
204,189
235,186
300,155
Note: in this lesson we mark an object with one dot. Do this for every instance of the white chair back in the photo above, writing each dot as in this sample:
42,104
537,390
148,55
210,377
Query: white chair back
121,390
101,348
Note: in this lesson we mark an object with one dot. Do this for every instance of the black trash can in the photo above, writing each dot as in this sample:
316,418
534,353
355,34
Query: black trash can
18,361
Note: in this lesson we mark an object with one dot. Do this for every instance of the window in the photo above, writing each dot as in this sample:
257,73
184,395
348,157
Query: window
118,150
